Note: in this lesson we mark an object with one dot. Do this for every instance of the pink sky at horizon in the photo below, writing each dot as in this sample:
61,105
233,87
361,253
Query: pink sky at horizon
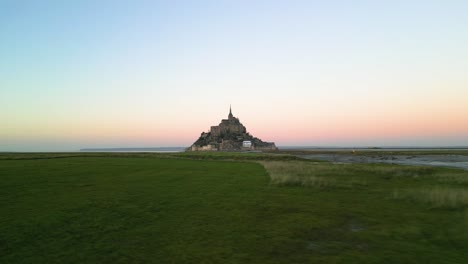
307,130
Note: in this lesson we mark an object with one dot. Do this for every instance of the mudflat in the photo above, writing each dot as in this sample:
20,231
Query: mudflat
455,161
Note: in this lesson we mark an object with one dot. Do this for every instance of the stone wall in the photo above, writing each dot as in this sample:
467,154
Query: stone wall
215,131
228,126
210,147
229,145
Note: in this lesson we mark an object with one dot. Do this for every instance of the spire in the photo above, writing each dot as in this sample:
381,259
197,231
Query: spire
230,112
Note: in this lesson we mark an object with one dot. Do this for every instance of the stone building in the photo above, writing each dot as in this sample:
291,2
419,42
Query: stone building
230,135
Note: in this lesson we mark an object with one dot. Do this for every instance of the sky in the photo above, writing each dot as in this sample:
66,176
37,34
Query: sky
84,74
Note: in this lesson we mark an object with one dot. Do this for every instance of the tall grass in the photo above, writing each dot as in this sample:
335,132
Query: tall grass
310,174
398,171
455,176
436,197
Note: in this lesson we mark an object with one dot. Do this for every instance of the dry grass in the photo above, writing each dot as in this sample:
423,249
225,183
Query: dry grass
398,171
310,174
325,175
456,177
437,197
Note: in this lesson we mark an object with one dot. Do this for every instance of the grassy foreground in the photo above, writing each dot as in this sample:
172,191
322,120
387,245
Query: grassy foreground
183,209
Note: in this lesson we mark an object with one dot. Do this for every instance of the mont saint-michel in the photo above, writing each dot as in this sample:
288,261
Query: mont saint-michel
230,135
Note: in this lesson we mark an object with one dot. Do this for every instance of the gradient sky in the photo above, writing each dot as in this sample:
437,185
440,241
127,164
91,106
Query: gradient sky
79,74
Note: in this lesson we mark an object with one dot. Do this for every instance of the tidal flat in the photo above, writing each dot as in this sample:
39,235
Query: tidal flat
227,208
452,160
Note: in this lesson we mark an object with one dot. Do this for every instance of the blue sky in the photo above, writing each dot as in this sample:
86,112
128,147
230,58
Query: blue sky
77,74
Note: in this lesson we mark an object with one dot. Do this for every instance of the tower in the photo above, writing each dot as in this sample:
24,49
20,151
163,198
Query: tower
230,113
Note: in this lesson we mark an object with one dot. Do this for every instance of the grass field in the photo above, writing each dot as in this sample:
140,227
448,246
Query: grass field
227,208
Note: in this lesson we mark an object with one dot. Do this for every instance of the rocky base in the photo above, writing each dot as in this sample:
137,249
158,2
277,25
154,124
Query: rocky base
230,143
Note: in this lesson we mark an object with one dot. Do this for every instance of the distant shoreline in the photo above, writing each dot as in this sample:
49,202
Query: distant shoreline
160,149
373,148
281,148
180,149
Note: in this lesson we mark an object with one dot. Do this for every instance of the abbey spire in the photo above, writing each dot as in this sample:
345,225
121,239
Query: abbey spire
230,113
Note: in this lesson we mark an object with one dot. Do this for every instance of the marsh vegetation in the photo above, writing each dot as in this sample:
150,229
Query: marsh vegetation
227,207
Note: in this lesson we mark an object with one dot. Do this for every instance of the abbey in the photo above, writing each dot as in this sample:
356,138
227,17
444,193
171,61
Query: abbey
229,135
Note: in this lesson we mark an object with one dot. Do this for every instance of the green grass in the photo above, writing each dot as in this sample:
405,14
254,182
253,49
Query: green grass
235,156
148,208
188,155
